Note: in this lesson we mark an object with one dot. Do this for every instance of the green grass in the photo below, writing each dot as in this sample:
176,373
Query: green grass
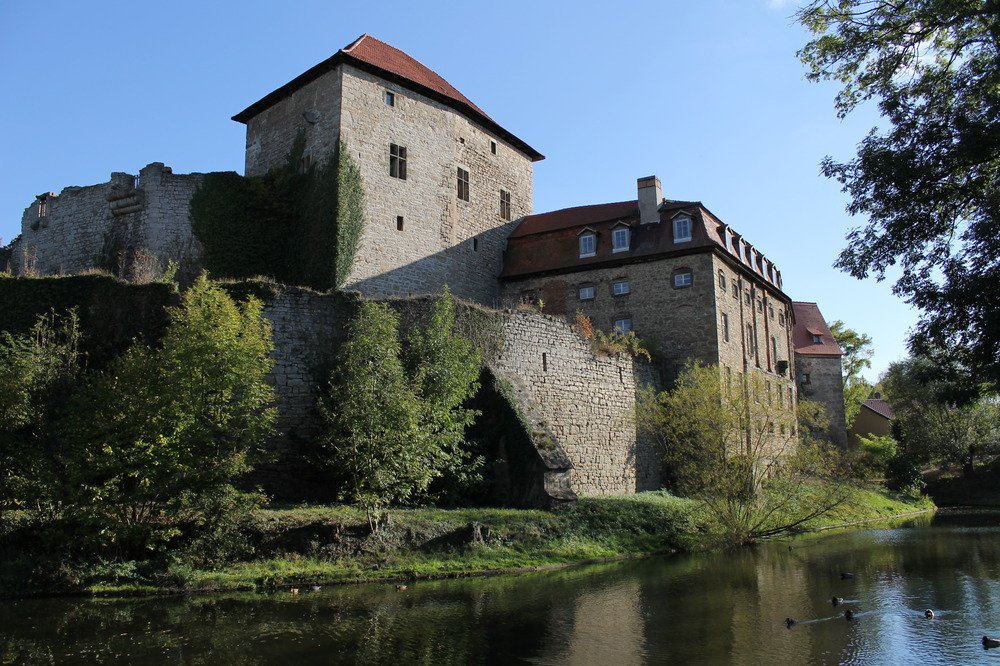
302,545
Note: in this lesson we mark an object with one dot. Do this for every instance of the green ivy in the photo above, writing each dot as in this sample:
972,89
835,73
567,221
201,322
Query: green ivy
298,228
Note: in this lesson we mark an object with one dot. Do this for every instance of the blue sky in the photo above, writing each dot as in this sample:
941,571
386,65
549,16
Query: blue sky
708,95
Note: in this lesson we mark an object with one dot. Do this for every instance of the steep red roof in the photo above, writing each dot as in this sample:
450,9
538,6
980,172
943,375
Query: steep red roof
377,57
577,216
880,407
809,321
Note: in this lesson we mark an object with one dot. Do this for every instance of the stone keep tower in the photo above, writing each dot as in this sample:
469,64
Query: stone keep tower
443,182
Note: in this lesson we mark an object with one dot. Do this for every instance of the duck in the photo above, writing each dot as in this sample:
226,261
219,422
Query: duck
929,614
848,615
789,622
294,590
836,601
846,576
400,588
990,642
316,588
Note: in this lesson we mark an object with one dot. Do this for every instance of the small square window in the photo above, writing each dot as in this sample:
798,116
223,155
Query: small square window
683,279
803,379
620,239
587,293
390,98
620,287
399,223
463,184
397,161
623,325
588,245
493,147
682,229
504,205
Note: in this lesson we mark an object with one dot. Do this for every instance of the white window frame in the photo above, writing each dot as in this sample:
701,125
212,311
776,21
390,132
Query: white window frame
621,233
680,222
679,281
587,293
623,325
621,287
584,238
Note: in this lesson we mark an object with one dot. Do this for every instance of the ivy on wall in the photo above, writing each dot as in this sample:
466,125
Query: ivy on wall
298,228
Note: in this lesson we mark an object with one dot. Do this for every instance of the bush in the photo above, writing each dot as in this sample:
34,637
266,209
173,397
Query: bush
873,455
902,474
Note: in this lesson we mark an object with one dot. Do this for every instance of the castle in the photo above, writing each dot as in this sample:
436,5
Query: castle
448,200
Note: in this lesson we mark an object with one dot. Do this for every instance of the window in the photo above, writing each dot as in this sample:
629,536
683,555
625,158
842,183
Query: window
760,305
736,290
722,279
817,339
43,207
774,349
588,245
748,297
790,404
725,327
682,279
803,379
399,223
781,318
682,229
623,325
770,311
620,239
587,293
463,184
397,161
620,287
493,147
504,205
475,245
390,98
750,344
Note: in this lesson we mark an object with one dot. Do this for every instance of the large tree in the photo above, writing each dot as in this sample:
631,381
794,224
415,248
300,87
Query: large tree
736,445
927,180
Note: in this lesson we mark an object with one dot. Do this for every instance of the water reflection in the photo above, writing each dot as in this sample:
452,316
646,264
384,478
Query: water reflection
721,608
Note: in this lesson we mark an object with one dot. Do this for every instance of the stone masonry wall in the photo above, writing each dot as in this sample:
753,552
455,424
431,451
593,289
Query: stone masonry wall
826,386
71,230
585,400
313,109
444,240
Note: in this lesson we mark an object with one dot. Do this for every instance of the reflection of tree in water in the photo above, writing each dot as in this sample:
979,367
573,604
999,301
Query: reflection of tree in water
716,608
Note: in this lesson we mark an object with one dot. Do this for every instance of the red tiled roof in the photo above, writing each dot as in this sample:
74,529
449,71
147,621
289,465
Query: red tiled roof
376,52
809,321
581,216
880,407
578,216
370,53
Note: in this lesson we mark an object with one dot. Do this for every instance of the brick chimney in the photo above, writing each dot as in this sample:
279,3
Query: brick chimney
650,197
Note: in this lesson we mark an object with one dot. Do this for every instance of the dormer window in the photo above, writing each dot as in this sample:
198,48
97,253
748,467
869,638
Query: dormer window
817,339
588,244
682,229
620,239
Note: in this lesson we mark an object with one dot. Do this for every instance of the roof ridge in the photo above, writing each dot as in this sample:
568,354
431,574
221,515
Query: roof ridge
356,42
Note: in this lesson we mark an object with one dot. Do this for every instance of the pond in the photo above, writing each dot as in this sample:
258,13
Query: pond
700,609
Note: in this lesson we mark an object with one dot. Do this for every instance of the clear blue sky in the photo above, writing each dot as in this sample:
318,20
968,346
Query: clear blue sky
707,95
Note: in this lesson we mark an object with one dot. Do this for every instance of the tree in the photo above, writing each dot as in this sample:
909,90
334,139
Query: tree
395,419
932,424
857,356
736,446
444,368
929,182
373,439
156,440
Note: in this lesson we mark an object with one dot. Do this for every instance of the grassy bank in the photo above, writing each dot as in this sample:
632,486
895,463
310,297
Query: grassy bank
287,547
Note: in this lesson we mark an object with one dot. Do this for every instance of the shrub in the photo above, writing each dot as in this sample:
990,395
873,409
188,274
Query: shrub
873,455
